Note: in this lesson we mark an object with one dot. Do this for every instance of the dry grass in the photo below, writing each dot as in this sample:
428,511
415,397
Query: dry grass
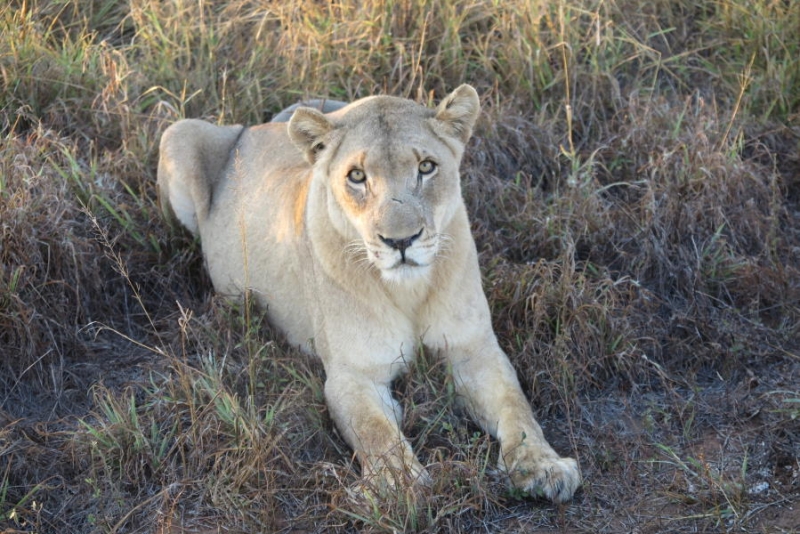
634,191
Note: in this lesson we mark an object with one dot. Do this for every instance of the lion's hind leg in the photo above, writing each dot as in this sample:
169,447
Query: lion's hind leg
193,156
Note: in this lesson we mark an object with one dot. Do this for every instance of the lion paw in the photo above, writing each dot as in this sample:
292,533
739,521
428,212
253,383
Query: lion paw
390,473
555,477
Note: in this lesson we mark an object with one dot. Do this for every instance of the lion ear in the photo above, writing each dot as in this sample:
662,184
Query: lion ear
458,112
307,130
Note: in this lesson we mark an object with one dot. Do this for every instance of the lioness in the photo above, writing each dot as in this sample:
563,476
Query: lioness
350,230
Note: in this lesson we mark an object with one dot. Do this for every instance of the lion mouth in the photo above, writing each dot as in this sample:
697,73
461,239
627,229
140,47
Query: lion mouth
395,264
403,262
408,262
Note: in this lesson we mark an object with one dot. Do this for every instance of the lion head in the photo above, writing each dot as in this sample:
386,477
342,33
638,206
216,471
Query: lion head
390,169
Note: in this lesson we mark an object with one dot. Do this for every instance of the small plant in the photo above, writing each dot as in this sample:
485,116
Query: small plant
23,512
720,495
789,403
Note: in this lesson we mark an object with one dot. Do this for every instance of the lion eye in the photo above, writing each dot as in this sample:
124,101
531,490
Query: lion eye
427,167
357,176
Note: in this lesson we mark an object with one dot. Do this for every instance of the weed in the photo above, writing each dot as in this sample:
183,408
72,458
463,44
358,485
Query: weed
719,495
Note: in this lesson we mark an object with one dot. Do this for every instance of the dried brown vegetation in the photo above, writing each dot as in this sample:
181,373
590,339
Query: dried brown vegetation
634,186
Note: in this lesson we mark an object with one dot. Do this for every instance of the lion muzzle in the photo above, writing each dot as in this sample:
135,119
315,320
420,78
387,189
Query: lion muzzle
401,244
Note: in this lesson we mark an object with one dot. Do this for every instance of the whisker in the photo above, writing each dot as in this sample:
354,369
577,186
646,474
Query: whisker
355,253
363,265
445,245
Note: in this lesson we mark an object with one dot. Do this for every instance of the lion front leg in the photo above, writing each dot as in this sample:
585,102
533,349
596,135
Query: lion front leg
369,419
489,386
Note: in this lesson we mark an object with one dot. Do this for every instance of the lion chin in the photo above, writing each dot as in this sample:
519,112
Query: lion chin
404,273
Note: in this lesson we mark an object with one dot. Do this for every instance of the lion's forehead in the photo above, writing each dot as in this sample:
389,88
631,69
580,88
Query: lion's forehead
385,106
392,139
388,117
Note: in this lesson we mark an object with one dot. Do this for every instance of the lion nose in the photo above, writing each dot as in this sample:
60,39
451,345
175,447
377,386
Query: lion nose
401,244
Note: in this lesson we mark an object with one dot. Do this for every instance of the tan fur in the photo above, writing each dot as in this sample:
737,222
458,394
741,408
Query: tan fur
359,273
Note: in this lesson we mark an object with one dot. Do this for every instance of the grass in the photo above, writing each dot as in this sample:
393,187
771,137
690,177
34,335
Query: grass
633,187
